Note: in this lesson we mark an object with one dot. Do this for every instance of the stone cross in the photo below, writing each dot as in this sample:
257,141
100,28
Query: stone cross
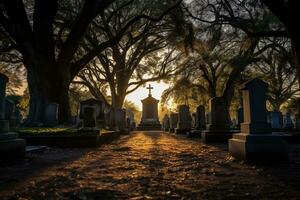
149,88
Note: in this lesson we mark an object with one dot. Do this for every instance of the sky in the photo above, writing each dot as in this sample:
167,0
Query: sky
142,92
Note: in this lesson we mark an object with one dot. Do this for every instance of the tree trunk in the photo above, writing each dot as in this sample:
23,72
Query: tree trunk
47,85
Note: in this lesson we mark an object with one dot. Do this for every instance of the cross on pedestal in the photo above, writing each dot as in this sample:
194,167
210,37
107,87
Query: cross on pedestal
149,88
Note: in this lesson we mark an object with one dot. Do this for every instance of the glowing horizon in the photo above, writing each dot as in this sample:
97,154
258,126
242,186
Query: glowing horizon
142,92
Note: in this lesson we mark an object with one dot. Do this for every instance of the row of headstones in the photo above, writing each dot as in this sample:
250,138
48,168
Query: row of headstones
255,142
92,115
199,119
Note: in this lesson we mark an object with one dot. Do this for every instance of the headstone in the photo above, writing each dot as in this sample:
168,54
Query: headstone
120,115
173,122
255,143
200,122
194,120
51,118
218,129
166,123
131,121
288,123
89,117
276,120
240,117
184,120
11,147
99,111
200,118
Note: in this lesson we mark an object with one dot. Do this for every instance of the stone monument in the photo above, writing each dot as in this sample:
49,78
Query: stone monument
184,124
276,120
173,122
218,129
200,122
99,111
288,122
149,119
255,142
11,147
166,123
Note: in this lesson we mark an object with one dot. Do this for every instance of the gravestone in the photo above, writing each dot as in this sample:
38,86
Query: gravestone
288,123
150,120
184,124
51,118
131,121
11,147
218,129
255,142
120,115
166,123
99,111
173,122
89,117
194,120
240,117
200,122
276,120
200,118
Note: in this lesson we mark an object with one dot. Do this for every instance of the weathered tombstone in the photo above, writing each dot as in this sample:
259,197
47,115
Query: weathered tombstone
130,119
173,122
276,120
240,117
89,117
200,118
288,123
184,124
120,115
98,105
51,117
218,129
11,147
200,122
166,123
194,120
255,143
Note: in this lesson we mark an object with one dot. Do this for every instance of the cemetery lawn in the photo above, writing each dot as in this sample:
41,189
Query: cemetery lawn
58,131
148,165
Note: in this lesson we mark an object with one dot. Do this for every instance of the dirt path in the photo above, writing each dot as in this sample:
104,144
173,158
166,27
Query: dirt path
146,165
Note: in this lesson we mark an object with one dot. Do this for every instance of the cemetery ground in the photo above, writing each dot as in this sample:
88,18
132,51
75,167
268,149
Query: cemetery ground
148,165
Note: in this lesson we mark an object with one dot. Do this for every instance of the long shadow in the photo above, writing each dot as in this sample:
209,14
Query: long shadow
35,163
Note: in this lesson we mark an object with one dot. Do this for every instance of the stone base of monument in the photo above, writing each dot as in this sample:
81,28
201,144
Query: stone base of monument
11,147
259,148
149,127
182,130
209,136
194,134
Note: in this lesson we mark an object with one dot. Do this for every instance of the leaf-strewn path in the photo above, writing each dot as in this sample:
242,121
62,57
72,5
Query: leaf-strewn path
147,165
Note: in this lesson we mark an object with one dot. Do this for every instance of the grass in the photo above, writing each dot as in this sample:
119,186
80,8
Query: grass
44,131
